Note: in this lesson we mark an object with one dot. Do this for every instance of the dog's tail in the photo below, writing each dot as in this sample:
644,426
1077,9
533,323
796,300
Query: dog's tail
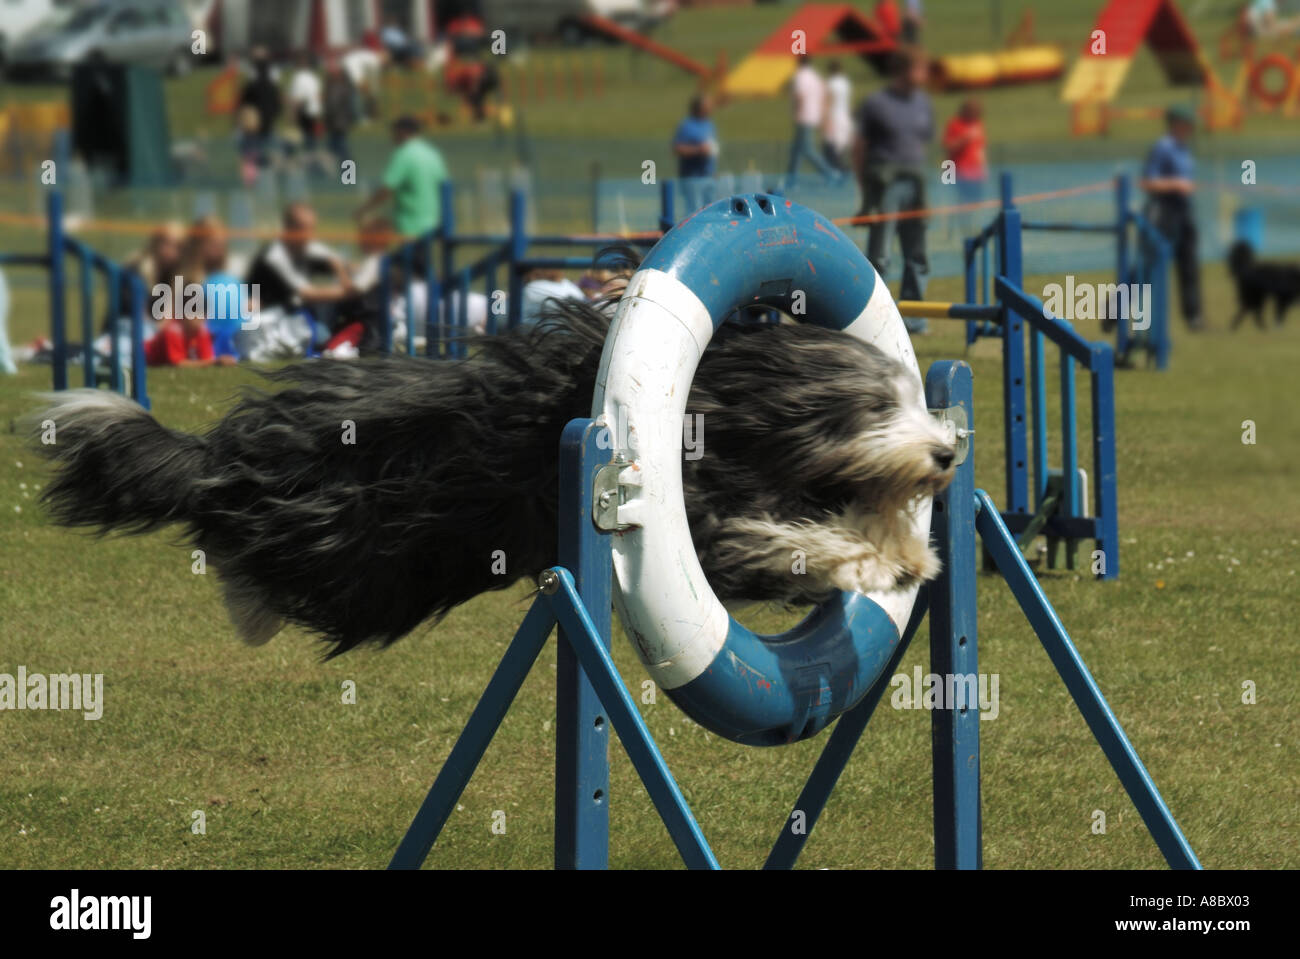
116,467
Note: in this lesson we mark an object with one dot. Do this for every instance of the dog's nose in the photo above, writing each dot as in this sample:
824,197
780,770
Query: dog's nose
943,457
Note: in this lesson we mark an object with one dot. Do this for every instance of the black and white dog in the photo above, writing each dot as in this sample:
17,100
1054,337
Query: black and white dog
1259,282
362,499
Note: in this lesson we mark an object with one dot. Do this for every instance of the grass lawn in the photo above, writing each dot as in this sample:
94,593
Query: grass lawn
287,775
259,740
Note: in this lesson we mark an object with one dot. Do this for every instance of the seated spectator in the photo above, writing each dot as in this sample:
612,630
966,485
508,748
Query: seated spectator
158,265
207,258
544,285
365,331
283,269
180,342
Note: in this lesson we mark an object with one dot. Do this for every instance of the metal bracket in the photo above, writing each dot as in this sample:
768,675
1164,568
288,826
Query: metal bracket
608,493
954,419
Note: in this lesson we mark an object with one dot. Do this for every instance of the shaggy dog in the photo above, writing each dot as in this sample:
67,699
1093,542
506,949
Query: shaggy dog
363,499
1257,283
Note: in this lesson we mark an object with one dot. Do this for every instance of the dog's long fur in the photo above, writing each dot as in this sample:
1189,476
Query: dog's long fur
1259,282
813,441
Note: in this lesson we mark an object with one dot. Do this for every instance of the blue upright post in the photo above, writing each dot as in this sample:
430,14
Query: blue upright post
667,201
581,726
1070,506
114,283
87,278
968,265
1083,688
448,230
138,370
58,318
1103,458
631,728
518,250
1013,358
1038,386
954,730
1123,187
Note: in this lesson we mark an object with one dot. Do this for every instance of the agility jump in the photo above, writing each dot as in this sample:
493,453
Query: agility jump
622,518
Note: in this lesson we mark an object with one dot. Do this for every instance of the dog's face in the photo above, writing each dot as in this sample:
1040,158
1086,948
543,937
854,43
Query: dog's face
895,449
1240,257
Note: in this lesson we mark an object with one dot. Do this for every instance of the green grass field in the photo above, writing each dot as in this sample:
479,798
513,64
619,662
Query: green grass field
288,776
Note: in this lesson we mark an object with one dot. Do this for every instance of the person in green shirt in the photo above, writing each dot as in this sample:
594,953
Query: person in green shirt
412,181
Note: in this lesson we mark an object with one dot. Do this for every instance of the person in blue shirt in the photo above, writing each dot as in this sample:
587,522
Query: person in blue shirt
1169,179
696,146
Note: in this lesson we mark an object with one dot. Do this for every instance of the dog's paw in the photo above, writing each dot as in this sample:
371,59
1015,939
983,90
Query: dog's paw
919,562
866,573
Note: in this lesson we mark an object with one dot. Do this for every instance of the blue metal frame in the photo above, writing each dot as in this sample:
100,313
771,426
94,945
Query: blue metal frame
58,246
590,688
1150,265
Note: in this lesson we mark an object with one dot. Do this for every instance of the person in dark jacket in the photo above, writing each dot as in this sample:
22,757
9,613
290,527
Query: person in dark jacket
260,105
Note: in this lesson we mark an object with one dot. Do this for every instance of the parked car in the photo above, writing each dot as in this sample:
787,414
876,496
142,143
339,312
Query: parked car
151,33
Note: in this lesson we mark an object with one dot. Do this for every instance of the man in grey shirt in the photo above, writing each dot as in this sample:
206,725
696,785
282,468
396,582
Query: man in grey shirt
895,129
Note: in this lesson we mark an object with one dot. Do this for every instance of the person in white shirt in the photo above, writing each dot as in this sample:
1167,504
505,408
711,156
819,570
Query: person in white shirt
837,129
364,67
305,101
808,93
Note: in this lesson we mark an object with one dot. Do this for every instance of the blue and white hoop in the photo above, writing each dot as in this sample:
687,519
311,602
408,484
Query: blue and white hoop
747,250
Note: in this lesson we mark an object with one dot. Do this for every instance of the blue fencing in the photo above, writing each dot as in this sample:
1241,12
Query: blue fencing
124,374
1141,255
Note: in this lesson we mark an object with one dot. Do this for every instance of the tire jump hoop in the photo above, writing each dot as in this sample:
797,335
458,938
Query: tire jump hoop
753,250
624,542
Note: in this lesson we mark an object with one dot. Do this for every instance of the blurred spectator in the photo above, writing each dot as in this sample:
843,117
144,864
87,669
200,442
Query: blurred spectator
887,15
808,95
837,129
1169,179
158,265
543,286
696,146
412,182
283,271
305,101
182,341
207,262
913,20
260,107
964,143
895,127
339,109
400,47
364,67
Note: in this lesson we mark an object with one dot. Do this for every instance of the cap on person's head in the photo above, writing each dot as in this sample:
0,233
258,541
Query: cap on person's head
406,125
1180,114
